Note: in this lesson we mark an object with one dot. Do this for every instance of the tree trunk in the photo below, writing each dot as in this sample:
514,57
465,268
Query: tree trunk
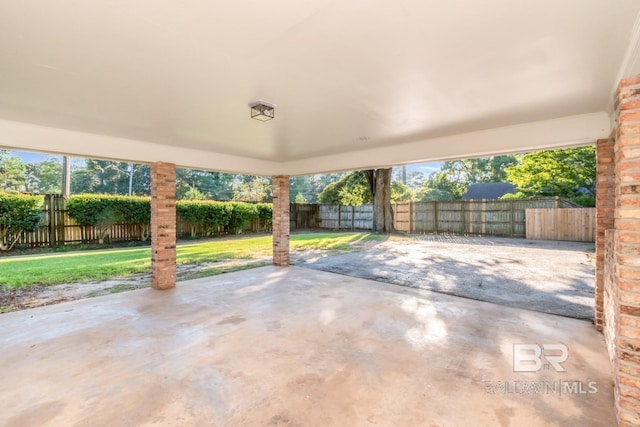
66,176
388,209
380,186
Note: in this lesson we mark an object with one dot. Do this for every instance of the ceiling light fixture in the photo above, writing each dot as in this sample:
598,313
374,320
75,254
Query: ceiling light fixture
262,111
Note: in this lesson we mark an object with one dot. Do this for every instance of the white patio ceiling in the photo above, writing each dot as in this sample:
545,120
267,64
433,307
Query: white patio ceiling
357,83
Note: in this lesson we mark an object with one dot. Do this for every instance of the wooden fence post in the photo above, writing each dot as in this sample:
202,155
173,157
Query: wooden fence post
54,207
353,218
435,217
339,216
293,219
61,207
511,218
48,207
483,217
410,217
464,216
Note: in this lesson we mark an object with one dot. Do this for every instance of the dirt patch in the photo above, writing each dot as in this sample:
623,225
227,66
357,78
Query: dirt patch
545,276
37,296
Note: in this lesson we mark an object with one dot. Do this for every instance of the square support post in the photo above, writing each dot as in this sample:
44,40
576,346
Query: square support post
163,225
281,215
605,204
621,322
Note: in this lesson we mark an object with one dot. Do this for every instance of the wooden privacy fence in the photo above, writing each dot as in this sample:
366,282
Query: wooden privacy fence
578,224
337,217
303,216
467,217
472,217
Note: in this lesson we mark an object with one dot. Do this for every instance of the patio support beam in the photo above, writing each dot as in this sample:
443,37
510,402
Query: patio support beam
605,203
280,220
622,257
163,225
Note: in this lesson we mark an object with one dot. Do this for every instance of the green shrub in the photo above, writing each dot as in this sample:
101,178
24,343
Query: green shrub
585,201
18,213
241,216
204,215
102,211
265,214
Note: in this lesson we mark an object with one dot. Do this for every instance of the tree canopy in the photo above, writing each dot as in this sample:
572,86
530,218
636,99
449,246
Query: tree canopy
44,177
566,173
352,189
454,177
252,189
569,172
12,173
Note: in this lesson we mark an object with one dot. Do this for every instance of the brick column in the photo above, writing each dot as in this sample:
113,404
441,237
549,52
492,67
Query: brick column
605,203
163,225
280,220
626,254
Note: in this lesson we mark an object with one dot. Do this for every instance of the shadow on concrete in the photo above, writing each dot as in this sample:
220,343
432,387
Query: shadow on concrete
549,277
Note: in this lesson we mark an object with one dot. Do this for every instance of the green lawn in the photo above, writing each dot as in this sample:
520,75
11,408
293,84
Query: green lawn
68,267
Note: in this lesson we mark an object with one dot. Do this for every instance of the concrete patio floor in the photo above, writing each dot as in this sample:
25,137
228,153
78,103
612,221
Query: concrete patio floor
294,347
548,276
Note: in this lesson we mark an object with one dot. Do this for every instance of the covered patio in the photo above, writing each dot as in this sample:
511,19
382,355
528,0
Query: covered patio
355,85
294,346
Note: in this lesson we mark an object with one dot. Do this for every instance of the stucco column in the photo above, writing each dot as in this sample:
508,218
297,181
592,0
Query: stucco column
163,225
605,203
622,279
280,194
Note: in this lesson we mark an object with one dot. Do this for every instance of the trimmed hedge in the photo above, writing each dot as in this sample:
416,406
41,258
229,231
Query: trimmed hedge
265,213
92,209
102,211
205,217
18,213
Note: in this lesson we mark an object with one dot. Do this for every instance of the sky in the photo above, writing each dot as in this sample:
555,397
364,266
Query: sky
31,157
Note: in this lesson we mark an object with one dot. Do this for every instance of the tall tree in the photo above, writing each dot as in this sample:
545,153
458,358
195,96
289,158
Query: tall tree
213,185
44,177
400,192
65,184
141,180
413,179
82,180
109,177
380,186
368,186
454,177
12,173
101,176
257,189
568,172
311,186
352,189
